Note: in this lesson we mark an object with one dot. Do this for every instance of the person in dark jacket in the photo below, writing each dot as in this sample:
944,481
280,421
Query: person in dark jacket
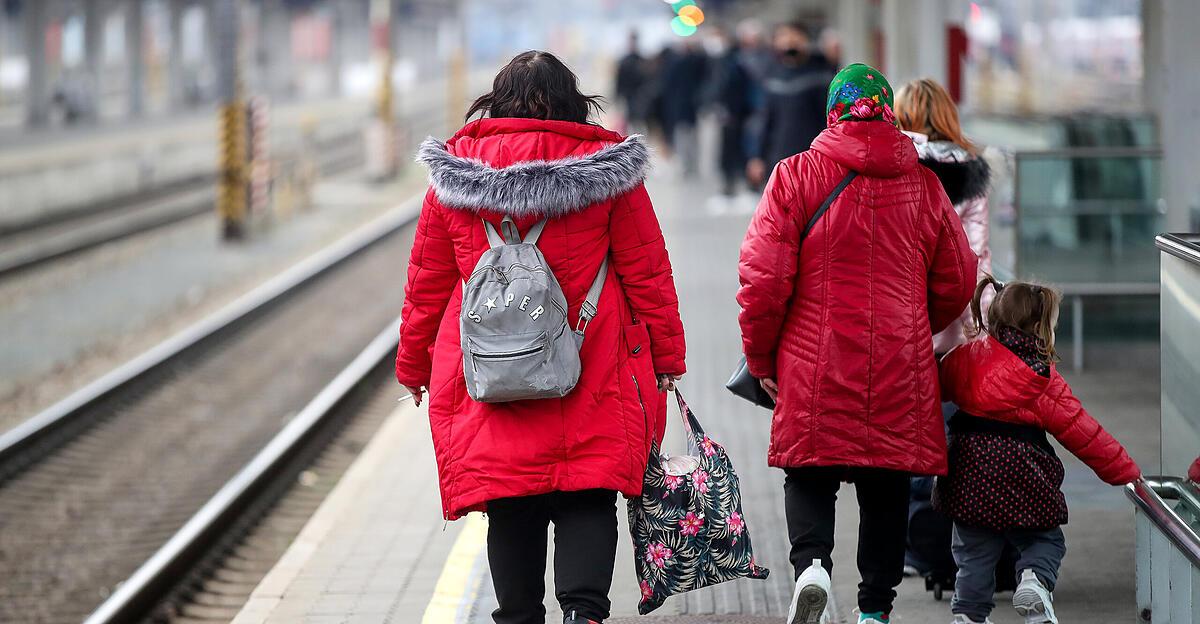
682,79
732,98
793,101
631,83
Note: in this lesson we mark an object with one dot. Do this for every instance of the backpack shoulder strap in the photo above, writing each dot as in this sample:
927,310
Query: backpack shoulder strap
508,227
837,190
535,232
587,310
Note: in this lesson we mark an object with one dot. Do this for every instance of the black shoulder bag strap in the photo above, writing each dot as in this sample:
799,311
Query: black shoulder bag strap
837,190
741,383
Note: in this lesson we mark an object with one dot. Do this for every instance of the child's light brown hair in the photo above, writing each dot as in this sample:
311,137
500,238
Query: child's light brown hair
924,106
1031,308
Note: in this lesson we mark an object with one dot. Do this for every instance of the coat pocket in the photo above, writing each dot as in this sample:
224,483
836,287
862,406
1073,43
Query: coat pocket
641,370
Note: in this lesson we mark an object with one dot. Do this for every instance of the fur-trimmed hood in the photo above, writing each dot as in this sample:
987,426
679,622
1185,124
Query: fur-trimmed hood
963,174
536,187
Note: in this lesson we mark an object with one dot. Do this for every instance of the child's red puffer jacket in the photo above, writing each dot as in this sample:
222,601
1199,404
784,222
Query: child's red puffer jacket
588,182
987,380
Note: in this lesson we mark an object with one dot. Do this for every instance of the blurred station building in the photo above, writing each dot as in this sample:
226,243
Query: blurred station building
206,211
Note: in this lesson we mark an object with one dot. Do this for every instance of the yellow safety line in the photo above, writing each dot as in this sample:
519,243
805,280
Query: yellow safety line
458,584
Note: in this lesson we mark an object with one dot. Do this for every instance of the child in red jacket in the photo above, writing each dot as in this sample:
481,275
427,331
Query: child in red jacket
1004,479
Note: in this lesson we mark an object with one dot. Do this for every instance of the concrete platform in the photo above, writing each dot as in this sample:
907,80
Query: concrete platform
378,550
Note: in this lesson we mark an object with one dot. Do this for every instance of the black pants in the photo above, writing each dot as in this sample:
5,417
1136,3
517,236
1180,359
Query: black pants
585,547
809,497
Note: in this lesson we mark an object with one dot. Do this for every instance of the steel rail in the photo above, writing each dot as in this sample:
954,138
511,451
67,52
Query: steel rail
194,200
137,595
1148,494
21,438
1182,246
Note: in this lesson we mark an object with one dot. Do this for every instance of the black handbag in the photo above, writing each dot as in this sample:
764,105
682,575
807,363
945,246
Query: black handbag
742,383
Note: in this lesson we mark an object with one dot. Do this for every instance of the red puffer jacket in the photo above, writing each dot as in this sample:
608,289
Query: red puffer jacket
987,380
845,322
588,181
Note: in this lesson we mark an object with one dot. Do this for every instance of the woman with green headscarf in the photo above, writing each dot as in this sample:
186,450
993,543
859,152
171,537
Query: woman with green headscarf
853,260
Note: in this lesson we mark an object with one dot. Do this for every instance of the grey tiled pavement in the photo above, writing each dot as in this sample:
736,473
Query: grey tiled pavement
399,544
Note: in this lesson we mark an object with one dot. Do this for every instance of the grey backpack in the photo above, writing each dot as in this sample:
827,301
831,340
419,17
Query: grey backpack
516,341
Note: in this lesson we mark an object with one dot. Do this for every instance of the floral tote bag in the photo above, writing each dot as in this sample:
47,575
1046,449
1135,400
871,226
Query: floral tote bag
688,528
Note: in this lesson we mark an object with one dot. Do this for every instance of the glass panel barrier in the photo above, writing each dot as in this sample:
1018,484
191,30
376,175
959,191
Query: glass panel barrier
1180,301
1086,215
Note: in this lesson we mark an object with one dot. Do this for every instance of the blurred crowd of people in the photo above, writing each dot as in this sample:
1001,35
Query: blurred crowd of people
766,91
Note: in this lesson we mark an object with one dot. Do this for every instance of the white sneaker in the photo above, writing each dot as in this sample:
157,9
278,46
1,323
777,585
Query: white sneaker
811,596
961,618
1033,600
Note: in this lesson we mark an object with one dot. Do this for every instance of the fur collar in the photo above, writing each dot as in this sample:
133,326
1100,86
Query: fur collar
963,180
547,188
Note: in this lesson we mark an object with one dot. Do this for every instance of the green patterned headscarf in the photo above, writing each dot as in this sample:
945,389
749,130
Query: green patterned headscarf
859,93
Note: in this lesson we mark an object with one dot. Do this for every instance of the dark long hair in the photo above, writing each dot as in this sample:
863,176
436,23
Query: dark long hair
536,85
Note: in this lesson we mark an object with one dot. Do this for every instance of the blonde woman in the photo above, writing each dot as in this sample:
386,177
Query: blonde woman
926,113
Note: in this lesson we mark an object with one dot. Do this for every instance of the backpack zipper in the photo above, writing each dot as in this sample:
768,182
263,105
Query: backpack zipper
492,267
506,355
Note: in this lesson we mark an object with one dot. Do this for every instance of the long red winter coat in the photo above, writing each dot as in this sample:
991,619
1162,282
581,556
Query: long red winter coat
845,322
589,182
987,380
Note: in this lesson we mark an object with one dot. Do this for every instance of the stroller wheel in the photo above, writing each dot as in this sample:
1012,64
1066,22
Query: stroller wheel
937,592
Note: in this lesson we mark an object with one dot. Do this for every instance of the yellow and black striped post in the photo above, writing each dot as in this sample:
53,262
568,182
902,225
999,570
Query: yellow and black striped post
232,168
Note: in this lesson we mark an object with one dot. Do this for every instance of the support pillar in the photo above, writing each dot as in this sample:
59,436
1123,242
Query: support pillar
136,57
1153,60
37,92
382,159
176,80
93,30
854,27
1179,112
914,35
337,28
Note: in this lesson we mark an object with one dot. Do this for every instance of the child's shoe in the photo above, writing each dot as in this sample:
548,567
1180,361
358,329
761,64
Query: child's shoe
811,596
879,617
1033,600
963,618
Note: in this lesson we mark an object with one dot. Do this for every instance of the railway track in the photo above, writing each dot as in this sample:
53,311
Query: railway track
40,242
37,243
98,484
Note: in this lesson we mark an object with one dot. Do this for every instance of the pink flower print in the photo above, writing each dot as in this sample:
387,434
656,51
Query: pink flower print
672,482
691,524
884,89
888,115
864,108
647,591
700,481
870,77
735,523
834,114
708,445
658,554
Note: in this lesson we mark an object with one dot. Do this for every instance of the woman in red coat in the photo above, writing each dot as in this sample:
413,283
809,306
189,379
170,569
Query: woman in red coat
840,329
529,463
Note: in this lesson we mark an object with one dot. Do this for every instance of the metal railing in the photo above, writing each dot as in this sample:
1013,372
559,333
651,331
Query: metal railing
1168,549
